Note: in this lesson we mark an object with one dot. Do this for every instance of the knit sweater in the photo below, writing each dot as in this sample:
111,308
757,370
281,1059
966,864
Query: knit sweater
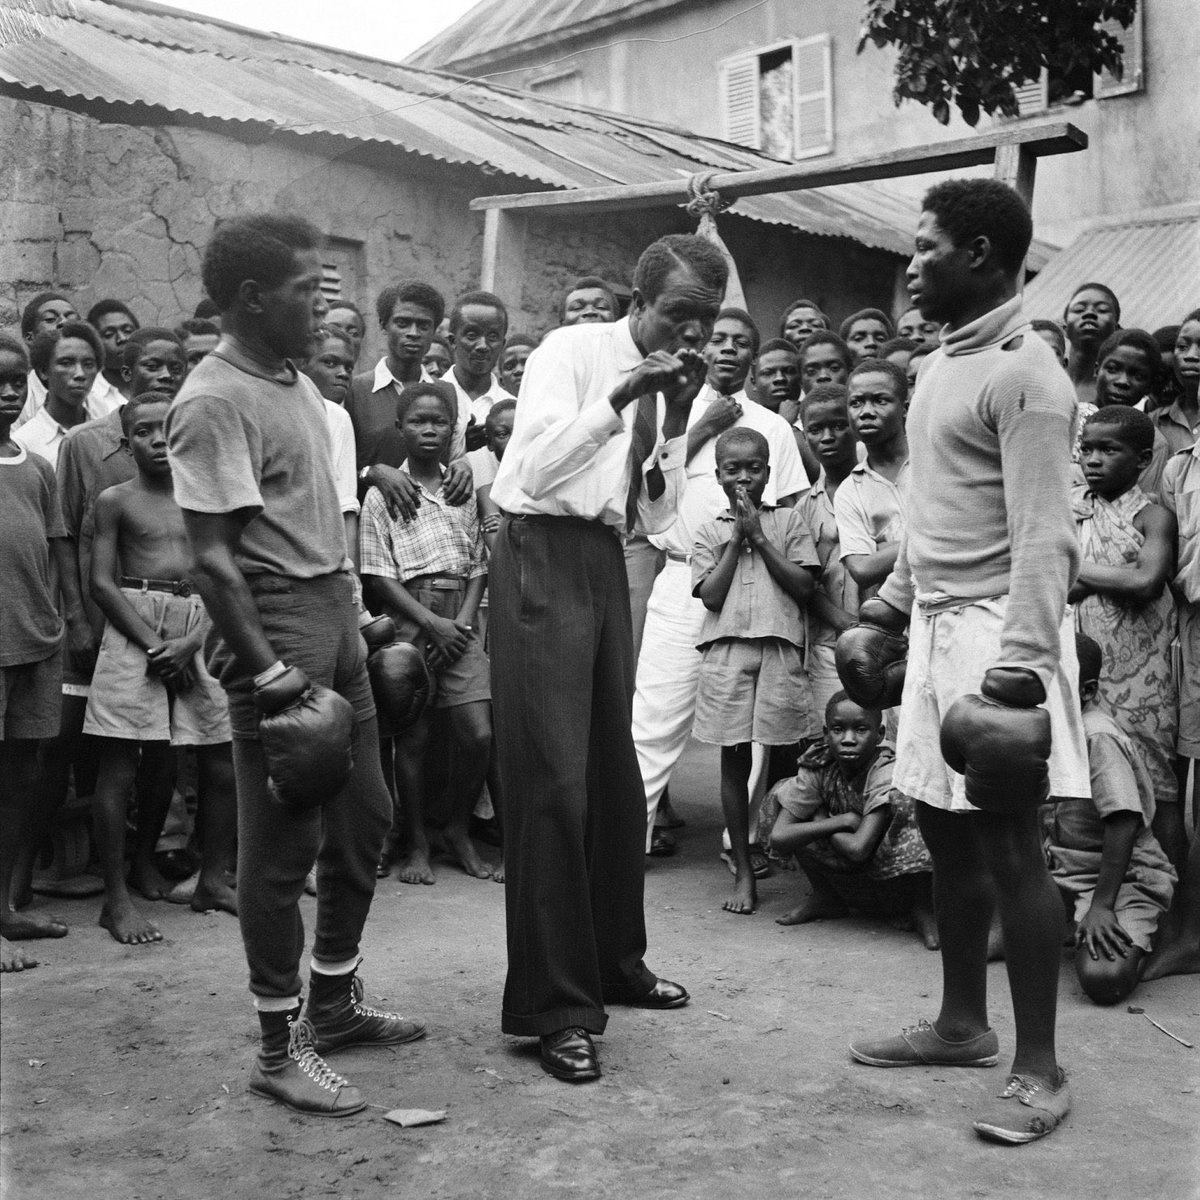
989,514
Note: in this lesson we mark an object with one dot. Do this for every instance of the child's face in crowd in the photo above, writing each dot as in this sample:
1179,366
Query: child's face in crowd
479,339
743,468
437,360
1090,317
197,347
73,370
681,315
115,329
852,734
801,322
51,316
350,323
499,429
512,367
777,378
729,353
331,368
409,331
1055,342
1187,357
876,412
147,439
1109,464
588,305
161,368
914,327
865,337
822,364
1125,375
426,428
14,385
827,427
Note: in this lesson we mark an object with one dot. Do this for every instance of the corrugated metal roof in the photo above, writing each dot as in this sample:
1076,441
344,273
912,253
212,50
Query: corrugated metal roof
138,53
1150,259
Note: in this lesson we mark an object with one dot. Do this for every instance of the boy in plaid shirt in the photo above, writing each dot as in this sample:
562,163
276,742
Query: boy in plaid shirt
428,574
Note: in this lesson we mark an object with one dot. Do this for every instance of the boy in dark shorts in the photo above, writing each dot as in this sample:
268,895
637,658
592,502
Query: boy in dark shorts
252,470
151,691
428,575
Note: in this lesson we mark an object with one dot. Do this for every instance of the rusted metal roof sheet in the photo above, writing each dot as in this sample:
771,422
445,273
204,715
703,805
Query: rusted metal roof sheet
137,53
1150,259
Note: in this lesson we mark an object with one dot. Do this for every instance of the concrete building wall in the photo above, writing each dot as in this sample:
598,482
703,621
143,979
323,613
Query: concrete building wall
99,209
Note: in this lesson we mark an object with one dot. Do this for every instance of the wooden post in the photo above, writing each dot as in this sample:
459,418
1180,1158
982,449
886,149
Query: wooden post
504,255
1016,165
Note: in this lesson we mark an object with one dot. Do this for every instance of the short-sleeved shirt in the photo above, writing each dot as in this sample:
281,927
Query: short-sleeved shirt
1174,425
473,410
241,441
341,444
44,436
870,509
755,605
442,539
484,465
30,627
372,408
1181,496
816,508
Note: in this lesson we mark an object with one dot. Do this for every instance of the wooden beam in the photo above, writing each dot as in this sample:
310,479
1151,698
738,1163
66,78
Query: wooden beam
503,270
1016,166
1028,142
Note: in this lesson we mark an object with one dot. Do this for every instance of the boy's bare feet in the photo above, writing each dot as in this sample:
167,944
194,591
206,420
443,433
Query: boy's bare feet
926,926
744,899
214,894
13,958
122,919
456,844
24,927
1173,957
498,872
148,881
414,868
815,907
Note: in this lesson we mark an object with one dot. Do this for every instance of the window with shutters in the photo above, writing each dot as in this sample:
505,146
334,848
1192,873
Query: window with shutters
331,282
779,98
1054,90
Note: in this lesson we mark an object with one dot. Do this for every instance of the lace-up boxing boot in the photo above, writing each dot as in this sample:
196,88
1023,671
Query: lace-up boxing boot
340,1019
290,1070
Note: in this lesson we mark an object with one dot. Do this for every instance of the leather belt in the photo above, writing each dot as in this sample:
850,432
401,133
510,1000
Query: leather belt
439,583
675,556
175,587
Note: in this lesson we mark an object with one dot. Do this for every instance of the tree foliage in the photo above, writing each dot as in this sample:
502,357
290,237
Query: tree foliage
973,53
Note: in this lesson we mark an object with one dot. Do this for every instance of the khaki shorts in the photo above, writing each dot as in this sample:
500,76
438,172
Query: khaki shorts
31,699
468,679
754,690
1141,903
127,703
948,654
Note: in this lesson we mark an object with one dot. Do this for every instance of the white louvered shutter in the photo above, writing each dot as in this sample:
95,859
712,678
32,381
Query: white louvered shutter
1033,97
739,101
812,73
1133,77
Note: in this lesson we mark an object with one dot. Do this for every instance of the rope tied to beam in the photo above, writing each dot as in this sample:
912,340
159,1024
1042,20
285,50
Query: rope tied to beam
704,203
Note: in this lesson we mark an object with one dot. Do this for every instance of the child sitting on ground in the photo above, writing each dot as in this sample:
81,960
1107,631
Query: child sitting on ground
428,575
754,568
854,836
151,690
1128,556
1102,854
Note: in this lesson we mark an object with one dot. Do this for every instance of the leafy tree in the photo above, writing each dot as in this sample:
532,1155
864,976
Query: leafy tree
973,53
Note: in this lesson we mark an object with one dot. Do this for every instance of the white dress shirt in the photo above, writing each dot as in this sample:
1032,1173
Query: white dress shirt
481,405
43,435
569,451
102,399
341,435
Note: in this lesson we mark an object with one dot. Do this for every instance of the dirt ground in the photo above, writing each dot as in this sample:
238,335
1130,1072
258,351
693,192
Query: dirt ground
124,1069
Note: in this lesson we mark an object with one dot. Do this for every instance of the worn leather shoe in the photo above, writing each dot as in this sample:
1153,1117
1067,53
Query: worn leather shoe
570,1054
664,994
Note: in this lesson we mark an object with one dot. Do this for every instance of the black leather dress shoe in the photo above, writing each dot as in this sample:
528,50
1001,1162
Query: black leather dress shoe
570,1054
664,994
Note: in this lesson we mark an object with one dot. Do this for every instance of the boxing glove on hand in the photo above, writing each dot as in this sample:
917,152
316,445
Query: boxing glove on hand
377,632
306,733
401,684
870,656
1002,751
1018,687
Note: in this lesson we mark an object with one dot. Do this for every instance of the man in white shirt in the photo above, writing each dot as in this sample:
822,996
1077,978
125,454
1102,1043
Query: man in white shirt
596,451
668,668
66,361
478,326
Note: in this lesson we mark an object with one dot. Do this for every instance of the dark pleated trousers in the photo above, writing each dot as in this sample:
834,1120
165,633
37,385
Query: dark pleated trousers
574,807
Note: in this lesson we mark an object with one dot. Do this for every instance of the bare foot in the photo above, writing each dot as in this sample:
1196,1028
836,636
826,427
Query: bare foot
122,919
926,926
415,868
457,845
211,895
744,899
147,881
23,927
1174,957
498,873
812,908
13,958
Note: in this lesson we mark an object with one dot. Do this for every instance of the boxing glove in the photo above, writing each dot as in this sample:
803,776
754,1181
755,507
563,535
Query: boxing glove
306,734
1001,749
377,632
870,655
401,684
